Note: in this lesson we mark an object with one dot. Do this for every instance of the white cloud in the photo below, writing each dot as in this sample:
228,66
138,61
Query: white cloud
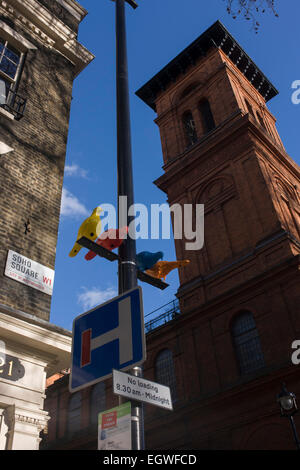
94,296
71,206
75,170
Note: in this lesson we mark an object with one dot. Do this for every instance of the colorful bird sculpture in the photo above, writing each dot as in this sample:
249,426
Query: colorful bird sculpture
146,259
110,239
162,268
90,228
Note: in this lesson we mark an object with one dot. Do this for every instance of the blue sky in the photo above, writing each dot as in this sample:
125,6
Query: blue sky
156,32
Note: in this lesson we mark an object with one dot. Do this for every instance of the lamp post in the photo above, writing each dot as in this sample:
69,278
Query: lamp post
127,251
288,407
127,273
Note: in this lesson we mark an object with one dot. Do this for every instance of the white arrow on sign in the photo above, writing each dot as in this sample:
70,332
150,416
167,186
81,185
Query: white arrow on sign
109,336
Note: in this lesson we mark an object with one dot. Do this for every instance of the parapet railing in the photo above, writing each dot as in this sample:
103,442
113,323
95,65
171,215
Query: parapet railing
162,315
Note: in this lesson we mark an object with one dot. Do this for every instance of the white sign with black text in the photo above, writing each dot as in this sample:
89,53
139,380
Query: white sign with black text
140,389
29,272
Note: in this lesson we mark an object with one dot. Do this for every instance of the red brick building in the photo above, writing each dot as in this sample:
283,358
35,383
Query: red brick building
227,353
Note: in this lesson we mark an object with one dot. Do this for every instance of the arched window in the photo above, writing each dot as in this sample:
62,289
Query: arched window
165,372
74,412
206,116
189,128
247,343
98,401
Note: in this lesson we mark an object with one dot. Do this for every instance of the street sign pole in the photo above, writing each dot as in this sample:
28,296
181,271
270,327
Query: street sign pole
127,251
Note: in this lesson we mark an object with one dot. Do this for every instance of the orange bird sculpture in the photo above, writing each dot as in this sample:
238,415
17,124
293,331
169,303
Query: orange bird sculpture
162,268
110,239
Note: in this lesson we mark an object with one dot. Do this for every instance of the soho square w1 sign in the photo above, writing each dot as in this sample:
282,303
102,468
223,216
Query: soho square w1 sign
110,336
29,272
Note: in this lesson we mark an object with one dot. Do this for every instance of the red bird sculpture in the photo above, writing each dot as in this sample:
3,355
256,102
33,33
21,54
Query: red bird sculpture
110,239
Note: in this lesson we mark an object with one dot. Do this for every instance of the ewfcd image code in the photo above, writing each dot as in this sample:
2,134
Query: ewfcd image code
150,459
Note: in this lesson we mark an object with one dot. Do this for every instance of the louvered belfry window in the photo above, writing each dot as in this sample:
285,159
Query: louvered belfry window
189,128
207,118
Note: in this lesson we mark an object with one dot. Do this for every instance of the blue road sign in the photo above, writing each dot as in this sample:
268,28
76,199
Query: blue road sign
110,336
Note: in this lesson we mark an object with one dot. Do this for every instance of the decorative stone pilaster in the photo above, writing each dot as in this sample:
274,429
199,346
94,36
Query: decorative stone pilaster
27,428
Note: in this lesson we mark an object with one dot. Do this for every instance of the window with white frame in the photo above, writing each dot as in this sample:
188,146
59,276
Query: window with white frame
10,62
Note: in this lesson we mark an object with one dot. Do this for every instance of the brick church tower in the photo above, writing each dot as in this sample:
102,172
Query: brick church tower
239,296
40,57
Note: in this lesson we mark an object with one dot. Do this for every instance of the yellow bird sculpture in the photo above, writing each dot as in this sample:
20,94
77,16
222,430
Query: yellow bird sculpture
90,228
162,268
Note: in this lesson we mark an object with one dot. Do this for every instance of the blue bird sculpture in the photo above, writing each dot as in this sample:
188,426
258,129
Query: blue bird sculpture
145,259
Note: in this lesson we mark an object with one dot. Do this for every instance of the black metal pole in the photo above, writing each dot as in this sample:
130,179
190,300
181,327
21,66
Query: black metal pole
295,432
127,251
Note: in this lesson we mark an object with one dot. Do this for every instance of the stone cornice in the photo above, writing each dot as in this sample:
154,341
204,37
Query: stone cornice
45,338
25,24
35,334
48,30
31,420
34,320
74,8
217,37
13,36
35,12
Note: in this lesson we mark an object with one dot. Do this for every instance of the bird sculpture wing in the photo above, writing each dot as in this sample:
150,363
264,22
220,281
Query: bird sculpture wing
110,239
90,228
146,259
141,260
162,268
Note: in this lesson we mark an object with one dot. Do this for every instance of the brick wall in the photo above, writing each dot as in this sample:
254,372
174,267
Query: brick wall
32,175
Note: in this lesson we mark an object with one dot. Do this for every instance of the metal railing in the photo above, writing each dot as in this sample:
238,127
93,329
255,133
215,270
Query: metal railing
162,315
14,104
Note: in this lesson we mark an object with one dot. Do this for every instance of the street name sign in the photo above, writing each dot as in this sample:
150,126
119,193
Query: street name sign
29,272
110,336
136,388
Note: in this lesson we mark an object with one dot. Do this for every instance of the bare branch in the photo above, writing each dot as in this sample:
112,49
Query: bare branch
249,9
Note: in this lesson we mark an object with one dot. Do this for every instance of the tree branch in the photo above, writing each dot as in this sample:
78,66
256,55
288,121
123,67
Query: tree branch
249,9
